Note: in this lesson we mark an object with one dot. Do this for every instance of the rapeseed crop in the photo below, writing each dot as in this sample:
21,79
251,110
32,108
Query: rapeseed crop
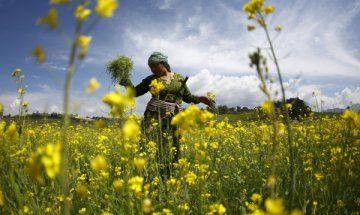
272,166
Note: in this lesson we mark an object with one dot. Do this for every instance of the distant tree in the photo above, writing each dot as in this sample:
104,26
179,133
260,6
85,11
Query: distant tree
55,115
297,109
223,109
232,109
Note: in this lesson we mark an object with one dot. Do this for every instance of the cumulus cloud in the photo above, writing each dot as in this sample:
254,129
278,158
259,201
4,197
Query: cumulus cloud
214,36
244,91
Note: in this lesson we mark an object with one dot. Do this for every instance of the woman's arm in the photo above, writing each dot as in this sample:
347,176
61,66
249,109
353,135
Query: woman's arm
189,98
141,88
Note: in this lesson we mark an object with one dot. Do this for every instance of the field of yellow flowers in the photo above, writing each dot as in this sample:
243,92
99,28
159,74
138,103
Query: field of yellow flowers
272,167
223,168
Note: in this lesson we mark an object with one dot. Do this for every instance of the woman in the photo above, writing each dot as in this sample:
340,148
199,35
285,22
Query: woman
163,106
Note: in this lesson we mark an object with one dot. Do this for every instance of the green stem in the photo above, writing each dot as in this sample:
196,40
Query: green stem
287,120
64,180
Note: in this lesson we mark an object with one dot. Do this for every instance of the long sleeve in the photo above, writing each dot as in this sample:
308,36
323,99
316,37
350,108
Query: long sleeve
141,88
188,97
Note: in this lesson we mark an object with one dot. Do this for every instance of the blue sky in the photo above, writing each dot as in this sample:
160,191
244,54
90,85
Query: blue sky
207,40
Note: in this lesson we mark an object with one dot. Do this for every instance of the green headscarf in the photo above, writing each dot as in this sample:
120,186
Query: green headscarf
158,57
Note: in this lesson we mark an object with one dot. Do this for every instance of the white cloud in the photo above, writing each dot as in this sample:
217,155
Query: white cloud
244,91
165,4
214,37
315,43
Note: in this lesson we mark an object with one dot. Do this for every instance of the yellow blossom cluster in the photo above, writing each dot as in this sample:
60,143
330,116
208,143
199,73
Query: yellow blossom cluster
83,42
256,9
352,116
46,158
119,102
190,119
51,19
39,54
136,184
99,163
131,129
156,87
82,13
257,6
92,86
10,132
106,8
216,209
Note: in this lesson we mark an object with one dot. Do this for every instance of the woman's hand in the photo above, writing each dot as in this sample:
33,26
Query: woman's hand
205,100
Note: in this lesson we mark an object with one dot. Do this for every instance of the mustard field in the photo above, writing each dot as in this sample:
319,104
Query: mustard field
223,168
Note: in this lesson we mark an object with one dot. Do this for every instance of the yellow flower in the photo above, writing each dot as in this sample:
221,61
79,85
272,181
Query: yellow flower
191,178
184,207
131,129
11,131
271,181
24,104
26,210
16,73
81,13
190,119
119,102
269,9
139,163
340,203
211,96
118,184
47,210
1,108
253,6
99,163
156,87
256,198
135,184
352,116
319,176
218,209
92,86
2,127
250,27
51,19
83,41
21,91
268,107
81,190
278,28
82,211
183,164
59,1
296,212
51,159
147,206
105,8
274,206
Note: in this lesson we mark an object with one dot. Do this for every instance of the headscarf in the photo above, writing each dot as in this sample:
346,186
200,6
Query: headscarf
158,57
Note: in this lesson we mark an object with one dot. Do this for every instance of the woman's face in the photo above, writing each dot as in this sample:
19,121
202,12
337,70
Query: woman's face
158,69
